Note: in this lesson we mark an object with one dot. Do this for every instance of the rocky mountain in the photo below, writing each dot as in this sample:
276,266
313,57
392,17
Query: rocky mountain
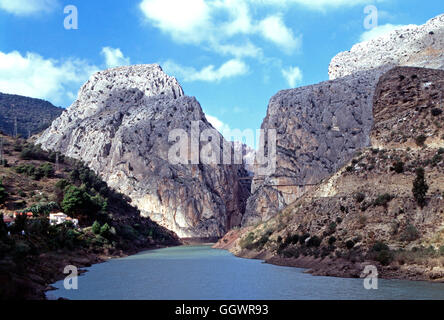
321,127
414,46
119,126
32,115
376,209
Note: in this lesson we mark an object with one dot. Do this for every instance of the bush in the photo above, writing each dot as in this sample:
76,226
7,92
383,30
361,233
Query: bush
3,193
420,140
331,240
105,230
382,200
78,201
436,112
290,252
350,244
96,227
314,242
420,187
410,233
398,167
359,197
385,257
379,246
292,239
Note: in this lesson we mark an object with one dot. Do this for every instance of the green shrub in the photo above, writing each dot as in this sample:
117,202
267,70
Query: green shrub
105,230
359,197
420,140
437,158
420,187
436,112
78,201
398,167
314,242
441,250
292,239
350,244
290,252
379,246
382,200
331,240
96,227
410,233
385,257
3,193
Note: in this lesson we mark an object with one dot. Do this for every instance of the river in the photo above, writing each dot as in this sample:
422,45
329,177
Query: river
200,272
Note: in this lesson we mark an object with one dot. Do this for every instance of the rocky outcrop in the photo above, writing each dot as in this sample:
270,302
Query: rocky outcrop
119,126
319,129
414,46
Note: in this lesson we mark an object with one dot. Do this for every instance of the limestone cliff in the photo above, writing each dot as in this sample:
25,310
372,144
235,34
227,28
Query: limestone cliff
414,46
366,213
319,128
119,126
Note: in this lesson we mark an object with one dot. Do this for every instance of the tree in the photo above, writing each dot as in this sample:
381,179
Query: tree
3,193
96,227
105,230
420,187
78,201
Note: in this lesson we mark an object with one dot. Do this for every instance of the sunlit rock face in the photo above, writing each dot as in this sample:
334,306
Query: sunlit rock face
119,126
414,46
320,127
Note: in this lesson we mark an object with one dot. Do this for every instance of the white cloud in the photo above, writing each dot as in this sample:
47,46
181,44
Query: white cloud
34,76
315,4
186,21
27,7
114,57
209,73
218,124
274,29
293,75
379,31
215,24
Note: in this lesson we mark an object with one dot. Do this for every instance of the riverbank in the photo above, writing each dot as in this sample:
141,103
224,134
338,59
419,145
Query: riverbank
331,267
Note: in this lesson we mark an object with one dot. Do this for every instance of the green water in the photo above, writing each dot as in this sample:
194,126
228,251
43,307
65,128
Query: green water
200,272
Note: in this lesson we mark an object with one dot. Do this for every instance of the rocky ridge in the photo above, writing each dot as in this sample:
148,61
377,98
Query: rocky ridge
119,126
412,45
320,127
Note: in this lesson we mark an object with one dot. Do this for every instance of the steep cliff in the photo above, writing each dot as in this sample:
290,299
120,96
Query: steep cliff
367,212
414,46
119,126
319,128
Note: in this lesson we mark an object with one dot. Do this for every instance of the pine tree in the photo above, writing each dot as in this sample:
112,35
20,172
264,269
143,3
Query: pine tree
420,187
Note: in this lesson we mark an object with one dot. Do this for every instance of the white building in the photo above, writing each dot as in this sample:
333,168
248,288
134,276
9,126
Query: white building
59,218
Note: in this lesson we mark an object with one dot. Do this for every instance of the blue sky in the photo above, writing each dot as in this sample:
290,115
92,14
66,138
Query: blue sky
233,55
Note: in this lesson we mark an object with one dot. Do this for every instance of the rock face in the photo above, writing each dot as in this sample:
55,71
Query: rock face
414,46
319,129
119,126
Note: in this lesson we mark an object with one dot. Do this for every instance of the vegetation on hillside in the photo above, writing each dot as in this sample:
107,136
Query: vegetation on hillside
31,183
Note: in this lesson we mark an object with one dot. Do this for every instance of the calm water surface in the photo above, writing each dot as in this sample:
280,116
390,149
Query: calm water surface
200,272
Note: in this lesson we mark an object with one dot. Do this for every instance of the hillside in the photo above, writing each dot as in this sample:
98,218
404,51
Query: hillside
371,211
33,115
32,180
